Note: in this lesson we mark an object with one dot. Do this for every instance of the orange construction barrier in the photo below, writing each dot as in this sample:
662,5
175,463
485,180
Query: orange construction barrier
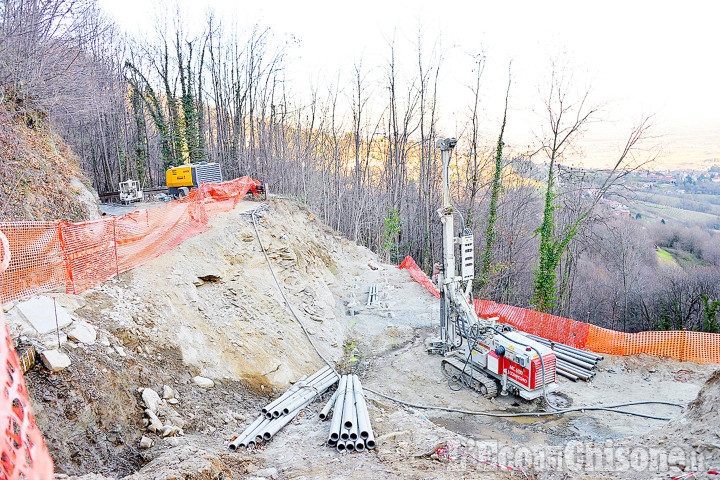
77,256
682,345
418,275
23,453
42,256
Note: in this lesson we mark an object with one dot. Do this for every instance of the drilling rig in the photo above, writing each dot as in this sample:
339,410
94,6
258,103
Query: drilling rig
480,353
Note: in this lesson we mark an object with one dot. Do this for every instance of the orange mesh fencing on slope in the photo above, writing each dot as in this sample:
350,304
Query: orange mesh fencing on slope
682,345
418,275
23,453
42,256
77,256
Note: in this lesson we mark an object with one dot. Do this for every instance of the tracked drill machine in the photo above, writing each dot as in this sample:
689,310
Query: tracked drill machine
478,352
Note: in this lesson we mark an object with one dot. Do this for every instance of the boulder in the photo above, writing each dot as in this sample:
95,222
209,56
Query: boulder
151,399
155,423
40,312
145,443
168,392
83,332
171,431
55,360
203,382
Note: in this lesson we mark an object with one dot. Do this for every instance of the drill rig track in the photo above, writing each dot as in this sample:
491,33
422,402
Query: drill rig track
466,375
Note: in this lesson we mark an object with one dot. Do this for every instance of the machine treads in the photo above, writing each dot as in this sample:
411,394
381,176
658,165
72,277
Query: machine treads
486,385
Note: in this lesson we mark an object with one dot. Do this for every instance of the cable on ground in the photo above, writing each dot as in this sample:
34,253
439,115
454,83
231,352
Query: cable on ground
282,292
608,408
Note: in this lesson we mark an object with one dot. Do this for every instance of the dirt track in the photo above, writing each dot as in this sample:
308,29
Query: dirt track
211,308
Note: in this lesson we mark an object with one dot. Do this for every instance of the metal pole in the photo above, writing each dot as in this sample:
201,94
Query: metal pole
337,411
349,405
326,410
447,332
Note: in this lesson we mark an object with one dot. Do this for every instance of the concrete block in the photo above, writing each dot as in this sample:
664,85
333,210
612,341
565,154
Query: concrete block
40,312
54,360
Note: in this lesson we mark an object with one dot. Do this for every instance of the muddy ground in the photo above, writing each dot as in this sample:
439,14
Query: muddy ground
210,307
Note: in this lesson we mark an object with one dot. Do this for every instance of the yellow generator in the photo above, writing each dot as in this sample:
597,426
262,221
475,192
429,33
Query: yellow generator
182,179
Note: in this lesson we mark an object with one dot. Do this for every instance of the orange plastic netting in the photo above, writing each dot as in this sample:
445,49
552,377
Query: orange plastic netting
77,256
42,256
23,453
682,345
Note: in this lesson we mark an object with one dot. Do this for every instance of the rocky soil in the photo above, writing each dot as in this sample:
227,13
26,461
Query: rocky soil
190,346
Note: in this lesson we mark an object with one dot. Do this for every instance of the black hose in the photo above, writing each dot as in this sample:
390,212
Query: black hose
608,408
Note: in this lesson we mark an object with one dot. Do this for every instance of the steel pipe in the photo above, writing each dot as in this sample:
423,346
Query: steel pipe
574,361
290,403
297,397
279,423
251,437
282,397
302,381
590,355
364,426
581,375
305,396
240,438
565,374
326,409
370,441
349,405
337,411
572,366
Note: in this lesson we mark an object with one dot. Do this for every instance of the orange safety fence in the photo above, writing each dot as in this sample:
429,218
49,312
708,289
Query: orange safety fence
42,256
418,275
682,345
77,256
23,453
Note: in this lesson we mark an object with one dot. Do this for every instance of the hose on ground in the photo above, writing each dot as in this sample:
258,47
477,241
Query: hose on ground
607,408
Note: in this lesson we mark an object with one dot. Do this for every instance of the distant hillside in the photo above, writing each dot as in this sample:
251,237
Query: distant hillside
40,177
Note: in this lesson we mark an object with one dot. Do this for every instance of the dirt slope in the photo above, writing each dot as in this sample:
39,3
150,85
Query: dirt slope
41,177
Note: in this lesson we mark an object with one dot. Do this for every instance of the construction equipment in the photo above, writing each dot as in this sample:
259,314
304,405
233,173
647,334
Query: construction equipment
180,180
130,191
480,353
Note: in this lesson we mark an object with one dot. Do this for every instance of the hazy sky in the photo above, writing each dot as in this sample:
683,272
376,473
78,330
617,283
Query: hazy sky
640,56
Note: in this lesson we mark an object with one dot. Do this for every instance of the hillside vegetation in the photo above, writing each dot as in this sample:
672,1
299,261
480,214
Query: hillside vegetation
41,177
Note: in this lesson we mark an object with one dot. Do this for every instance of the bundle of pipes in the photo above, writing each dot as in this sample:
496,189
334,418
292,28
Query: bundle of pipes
572,363
278,413
372,295
350,428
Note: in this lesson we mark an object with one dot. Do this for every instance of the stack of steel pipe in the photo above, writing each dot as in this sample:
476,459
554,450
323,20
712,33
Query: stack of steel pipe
350,428
372,295
280,412
572,363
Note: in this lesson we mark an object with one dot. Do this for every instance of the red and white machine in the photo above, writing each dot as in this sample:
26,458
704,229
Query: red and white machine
479,352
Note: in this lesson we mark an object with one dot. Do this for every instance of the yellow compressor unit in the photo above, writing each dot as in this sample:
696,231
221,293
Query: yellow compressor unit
180,180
